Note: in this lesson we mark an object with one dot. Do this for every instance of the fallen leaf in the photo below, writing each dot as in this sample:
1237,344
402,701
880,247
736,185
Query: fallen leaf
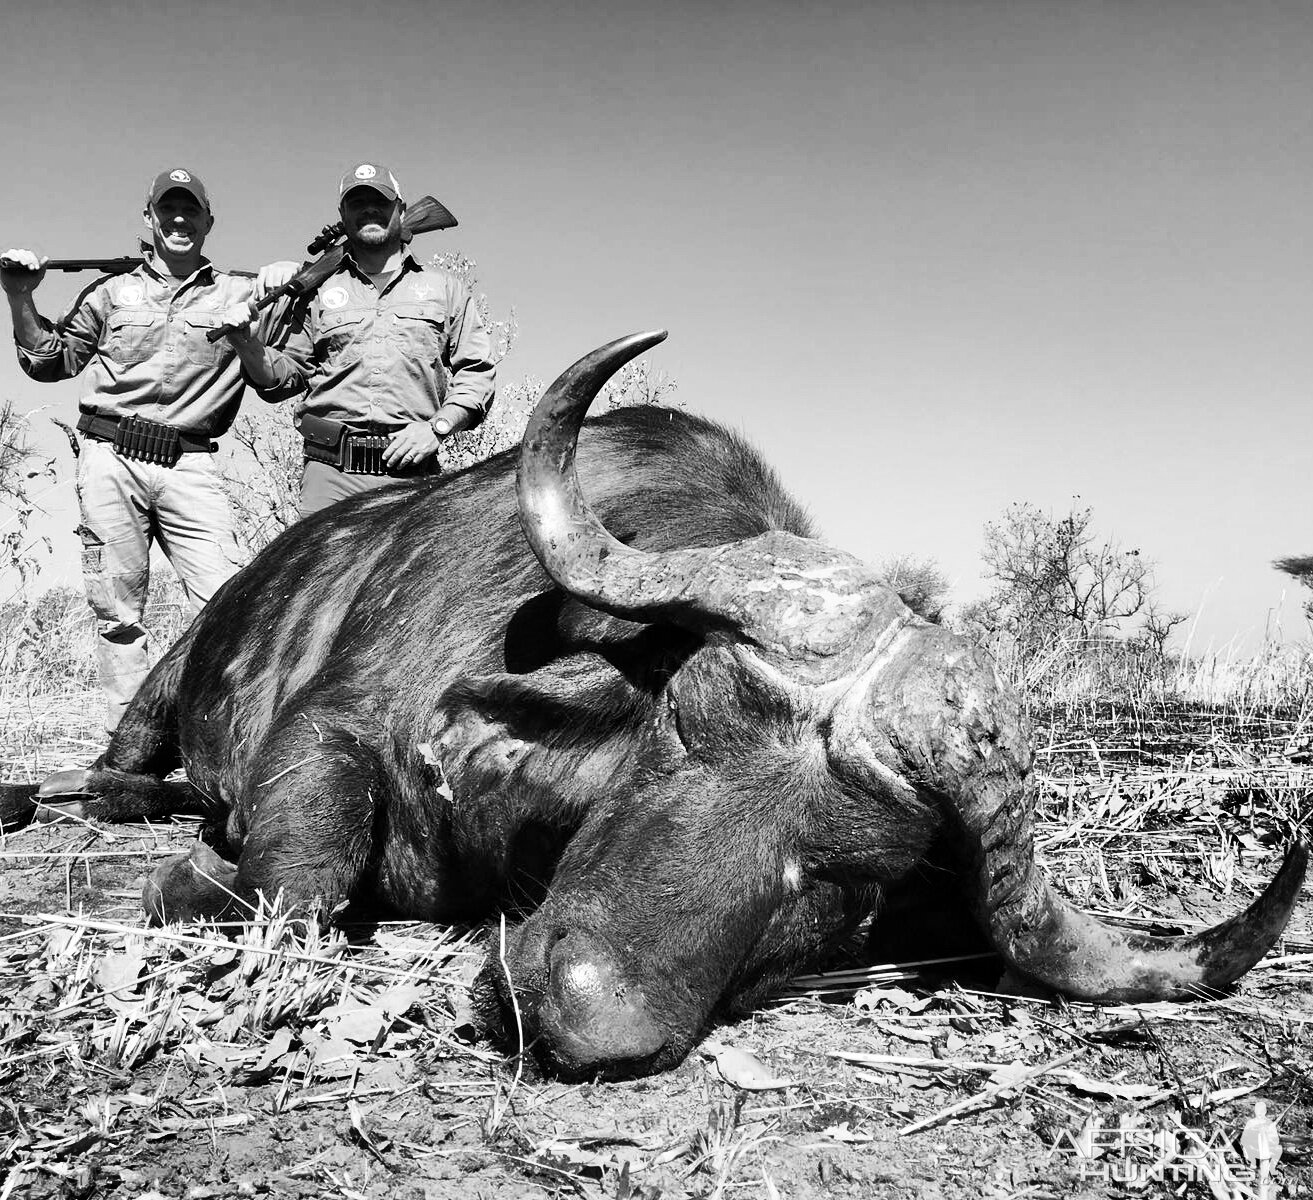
907,1033
223,1057
231,1023
399,999
893,997
355,1023
334,1057
743,1070
1114,1091
277,1047
843,1132
571,1153
132,1007
1009,1074
62,942
195,1009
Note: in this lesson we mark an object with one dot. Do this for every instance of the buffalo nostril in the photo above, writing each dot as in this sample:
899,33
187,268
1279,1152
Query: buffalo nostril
592,1015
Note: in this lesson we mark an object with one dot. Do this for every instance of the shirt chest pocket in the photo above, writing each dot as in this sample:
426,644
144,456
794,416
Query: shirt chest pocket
132,335
197,348
337,337
419,329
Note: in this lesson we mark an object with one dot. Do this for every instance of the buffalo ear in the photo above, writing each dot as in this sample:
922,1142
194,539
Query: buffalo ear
579,710
552,625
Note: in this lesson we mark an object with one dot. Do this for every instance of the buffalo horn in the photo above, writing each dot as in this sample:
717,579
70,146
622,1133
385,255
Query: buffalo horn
1081,956
788,594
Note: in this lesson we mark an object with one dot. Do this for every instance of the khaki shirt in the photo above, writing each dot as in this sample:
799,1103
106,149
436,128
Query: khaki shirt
140,346
384,358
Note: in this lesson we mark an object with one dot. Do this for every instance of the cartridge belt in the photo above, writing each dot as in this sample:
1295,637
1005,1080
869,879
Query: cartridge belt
355,451
144,440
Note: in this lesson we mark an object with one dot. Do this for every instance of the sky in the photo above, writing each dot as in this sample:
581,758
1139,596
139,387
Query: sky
933,258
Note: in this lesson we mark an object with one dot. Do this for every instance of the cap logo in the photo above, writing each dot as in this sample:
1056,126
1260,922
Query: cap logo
365,171
335,297
180,176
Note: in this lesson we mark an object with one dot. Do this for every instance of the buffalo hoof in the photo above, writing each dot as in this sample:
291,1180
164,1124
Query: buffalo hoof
590,1020
70,781
191,887
50,812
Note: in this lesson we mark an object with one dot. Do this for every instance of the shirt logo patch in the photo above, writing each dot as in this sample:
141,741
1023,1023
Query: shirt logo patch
335,297
180,176
131,293
365,171
422,290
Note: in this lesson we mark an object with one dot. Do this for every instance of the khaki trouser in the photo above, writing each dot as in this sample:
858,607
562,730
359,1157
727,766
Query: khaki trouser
322,485
127,505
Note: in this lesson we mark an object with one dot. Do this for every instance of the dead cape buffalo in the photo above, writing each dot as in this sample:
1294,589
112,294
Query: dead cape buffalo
684,743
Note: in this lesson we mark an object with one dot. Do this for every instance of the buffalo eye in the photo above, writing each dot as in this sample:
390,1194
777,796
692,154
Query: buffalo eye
671,717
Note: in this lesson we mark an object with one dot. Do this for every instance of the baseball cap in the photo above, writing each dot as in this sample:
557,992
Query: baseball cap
166,181
371,175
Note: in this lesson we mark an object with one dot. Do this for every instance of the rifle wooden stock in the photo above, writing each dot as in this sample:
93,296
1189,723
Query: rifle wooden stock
422,216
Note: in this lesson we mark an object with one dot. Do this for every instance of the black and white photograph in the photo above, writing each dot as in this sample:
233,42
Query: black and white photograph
656,602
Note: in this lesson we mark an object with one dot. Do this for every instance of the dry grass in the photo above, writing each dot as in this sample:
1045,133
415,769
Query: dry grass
287,1059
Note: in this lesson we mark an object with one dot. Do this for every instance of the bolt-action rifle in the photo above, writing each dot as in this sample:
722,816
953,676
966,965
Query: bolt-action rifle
103,266
421,216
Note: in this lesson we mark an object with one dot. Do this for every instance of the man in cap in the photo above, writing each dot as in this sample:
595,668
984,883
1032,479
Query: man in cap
387,357
155,393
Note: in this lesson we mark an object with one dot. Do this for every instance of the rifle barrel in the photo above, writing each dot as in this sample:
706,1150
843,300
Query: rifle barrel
106,266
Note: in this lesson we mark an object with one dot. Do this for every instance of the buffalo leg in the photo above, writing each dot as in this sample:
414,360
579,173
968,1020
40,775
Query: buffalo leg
193,886
17,805
128,781
96,793
313,807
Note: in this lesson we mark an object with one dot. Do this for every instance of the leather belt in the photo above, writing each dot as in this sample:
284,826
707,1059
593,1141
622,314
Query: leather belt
106,429
355,451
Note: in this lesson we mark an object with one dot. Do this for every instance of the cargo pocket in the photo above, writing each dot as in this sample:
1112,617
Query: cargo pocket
132,335
99,587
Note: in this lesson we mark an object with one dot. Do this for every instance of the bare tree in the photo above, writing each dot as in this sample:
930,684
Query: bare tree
1056,576
1300,568
262,475
22,468
920,582
1157,627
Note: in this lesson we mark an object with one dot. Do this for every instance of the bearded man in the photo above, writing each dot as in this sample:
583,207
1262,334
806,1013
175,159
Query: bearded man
385,359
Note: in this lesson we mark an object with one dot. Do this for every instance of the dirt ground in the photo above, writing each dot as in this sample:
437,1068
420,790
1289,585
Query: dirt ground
135,1064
